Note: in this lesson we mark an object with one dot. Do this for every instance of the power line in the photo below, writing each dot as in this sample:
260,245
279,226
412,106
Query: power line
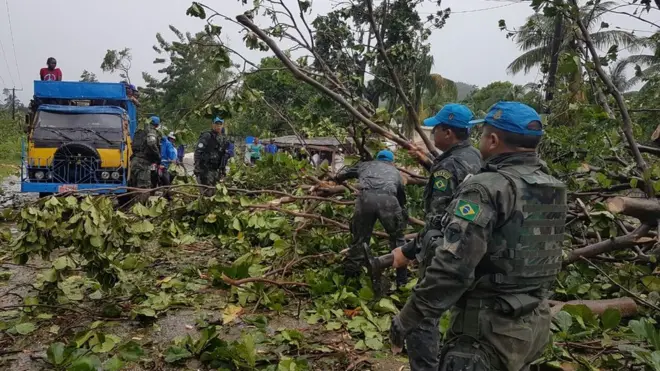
4,55
13,45
477,10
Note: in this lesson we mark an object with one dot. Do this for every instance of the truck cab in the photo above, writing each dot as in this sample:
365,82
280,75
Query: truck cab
78,138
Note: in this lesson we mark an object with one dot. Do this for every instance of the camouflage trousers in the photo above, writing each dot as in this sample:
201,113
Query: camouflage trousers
483,339
140,176
369,208
208,178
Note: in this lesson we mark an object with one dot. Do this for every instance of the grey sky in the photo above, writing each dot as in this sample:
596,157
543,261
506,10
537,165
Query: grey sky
470,48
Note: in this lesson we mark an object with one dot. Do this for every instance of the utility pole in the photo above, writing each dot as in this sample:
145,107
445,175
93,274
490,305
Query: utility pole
13,102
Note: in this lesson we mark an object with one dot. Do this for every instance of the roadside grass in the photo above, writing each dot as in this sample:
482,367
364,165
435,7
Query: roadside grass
10,147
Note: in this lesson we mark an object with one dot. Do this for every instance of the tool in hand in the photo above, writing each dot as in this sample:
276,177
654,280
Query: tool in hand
375,267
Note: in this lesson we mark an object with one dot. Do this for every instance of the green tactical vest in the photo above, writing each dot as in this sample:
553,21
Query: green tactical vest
532,236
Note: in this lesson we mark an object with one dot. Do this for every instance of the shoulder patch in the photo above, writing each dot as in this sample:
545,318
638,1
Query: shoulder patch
442,174
467,210
440,184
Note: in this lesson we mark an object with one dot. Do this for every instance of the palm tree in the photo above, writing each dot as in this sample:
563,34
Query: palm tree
647,64
535,37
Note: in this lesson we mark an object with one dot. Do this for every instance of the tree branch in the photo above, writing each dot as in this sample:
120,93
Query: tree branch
613,244
244,20
618,97
412,111
241,282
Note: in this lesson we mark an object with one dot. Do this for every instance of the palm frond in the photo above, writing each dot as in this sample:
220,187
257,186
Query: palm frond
528,60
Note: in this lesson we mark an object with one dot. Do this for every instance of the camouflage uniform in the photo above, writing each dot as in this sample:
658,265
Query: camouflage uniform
497,262
447,172
146,154
209,153
382,197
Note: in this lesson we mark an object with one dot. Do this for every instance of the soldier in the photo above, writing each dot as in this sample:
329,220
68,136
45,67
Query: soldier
451,134
382,197
499,256
209,154
146,154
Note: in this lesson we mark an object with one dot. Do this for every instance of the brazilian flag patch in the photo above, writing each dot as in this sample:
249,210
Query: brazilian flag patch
467,210
440,184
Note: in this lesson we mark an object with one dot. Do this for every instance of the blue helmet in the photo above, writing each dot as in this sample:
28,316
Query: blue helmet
155,120
385,155
218,120
514,117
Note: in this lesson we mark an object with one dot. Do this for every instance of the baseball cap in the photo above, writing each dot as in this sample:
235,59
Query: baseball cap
385,155
155,120
171,136
452,114
218,120
513,117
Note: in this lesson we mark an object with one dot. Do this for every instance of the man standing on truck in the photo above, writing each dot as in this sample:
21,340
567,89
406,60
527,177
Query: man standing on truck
146,154
209,155
51,73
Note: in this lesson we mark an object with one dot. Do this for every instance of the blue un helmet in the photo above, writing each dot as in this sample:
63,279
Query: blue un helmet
218,121
452,114
513,117
385,155
155,120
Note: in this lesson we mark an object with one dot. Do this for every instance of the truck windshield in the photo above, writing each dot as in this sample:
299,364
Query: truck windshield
98,130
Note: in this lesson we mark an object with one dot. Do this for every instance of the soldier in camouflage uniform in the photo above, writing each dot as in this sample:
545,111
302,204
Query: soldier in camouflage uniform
209,153
146,152
382,197
451,134
499,256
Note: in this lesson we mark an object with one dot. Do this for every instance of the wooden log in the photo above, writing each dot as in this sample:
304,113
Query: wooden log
626,306
656,135
619,243
646,210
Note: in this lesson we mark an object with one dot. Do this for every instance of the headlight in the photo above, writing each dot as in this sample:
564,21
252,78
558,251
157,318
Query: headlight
39,175
115,175
105,175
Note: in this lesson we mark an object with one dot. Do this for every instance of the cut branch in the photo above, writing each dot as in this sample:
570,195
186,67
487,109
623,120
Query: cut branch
646,210
613,244
626,306
233,282
245,21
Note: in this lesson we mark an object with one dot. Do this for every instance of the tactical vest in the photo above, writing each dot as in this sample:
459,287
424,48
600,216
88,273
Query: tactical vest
213,151
139,139
532,235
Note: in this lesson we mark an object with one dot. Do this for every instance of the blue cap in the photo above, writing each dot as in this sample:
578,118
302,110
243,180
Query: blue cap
385,155
155,120
513,117
218,120
452,114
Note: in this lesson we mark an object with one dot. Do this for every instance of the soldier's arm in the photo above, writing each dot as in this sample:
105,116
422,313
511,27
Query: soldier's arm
348,173
152,145
452,271
444,184
202,143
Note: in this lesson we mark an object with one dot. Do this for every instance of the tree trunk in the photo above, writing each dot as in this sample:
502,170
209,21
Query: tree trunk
626,306
554,58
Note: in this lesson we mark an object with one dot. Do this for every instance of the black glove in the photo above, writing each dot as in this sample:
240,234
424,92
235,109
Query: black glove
397,336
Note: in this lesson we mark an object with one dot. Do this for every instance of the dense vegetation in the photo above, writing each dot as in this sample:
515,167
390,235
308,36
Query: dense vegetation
250,278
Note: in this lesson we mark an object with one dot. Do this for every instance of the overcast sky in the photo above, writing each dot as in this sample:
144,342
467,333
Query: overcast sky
470,48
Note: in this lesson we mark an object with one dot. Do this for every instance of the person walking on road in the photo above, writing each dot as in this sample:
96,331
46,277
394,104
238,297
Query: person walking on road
499,256
382,197
451,134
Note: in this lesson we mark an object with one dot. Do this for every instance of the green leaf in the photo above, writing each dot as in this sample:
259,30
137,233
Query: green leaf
385,305
91,363
63,262
55,353
564,321
25,328
129,263
196,10
176,353
113,364
610,318
96,241
130,351
374,343
652,283
142,227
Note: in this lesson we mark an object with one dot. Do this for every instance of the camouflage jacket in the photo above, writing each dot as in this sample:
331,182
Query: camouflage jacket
211,148
447,172
488,209
376,176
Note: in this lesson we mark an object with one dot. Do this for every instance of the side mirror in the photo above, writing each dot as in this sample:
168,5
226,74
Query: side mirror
26,127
